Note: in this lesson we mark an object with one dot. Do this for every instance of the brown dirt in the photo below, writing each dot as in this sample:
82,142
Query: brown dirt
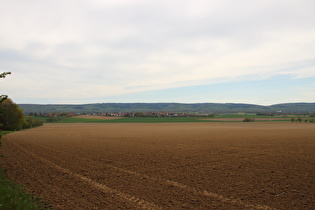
167,166
97,117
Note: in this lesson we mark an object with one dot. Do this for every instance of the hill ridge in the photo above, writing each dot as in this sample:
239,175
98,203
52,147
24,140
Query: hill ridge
295,108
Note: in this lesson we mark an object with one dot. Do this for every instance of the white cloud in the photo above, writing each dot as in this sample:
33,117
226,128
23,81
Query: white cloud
83,49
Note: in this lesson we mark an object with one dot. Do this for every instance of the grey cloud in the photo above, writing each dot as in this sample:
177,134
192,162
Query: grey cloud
137,43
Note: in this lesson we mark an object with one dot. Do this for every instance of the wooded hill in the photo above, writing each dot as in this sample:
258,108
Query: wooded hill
288,108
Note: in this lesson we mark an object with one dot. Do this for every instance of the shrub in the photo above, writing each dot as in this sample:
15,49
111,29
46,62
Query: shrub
247,119
30,122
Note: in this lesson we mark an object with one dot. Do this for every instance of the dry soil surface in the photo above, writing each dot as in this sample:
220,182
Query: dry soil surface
166,166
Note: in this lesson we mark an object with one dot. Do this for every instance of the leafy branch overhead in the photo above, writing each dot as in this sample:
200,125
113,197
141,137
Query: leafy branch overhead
2,75
3,97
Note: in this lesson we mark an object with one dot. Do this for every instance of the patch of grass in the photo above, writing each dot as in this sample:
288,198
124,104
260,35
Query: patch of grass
49,119
12,196
246,116
136,120
162,119
235,115
159,119
173,119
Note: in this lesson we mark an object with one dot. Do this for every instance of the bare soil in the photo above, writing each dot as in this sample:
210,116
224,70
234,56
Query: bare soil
166,166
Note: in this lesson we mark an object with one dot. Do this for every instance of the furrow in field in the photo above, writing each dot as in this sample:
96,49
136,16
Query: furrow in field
133,199
159,181
194,190
172,166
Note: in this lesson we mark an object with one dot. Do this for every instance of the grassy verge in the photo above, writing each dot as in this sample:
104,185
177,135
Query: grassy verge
12,196
217,118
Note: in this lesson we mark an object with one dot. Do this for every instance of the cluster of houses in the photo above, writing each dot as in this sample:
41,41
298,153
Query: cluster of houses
124,114
156,114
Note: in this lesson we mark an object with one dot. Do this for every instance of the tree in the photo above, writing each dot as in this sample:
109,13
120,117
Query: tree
11,117
29,122
2,98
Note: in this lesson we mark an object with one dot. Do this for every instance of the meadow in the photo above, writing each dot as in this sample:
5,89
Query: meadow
217,118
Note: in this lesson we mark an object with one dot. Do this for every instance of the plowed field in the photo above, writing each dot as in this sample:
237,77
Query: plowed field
166,166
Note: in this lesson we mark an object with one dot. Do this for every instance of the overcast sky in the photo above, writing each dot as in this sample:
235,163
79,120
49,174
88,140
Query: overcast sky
194,51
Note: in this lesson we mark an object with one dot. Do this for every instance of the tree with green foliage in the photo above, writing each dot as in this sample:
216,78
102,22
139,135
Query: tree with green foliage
11,117
2,98
29,122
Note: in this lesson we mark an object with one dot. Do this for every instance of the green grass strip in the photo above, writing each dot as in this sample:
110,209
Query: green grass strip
159,120
135,120
12,196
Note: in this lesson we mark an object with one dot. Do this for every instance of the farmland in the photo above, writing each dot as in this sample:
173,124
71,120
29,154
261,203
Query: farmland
200,165
217,118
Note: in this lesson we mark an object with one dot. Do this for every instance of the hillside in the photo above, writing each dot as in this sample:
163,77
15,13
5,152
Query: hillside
295,108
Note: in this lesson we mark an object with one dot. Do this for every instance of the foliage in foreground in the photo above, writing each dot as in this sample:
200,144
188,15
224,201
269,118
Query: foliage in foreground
3,75
13,197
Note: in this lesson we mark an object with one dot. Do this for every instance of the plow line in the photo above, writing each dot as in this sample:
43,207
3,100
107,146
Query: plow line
145,204
138,201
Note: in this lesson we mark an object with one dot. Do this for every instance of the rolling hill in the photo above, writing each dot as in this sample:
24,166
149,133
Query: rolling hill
289,108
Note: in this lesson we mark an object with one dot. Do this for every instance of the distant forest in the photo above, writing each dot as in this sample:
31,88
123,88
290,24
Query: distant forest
288,108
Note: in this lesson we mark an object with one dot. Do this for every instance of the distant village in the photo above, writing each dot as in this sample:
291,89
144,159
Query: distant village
124,114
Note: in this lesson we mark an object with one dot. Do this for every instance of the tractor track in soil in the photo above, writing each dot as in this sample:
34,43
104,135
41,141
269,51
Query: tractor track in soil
139,202
95,176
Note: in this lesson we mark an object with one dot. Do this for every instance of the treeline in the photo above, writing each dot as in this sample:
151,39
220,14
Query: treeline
301,120
12,117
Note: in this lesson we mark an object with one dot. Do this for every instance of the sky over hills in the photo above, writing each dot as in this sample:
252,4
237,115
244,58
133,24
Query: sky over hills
89,51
